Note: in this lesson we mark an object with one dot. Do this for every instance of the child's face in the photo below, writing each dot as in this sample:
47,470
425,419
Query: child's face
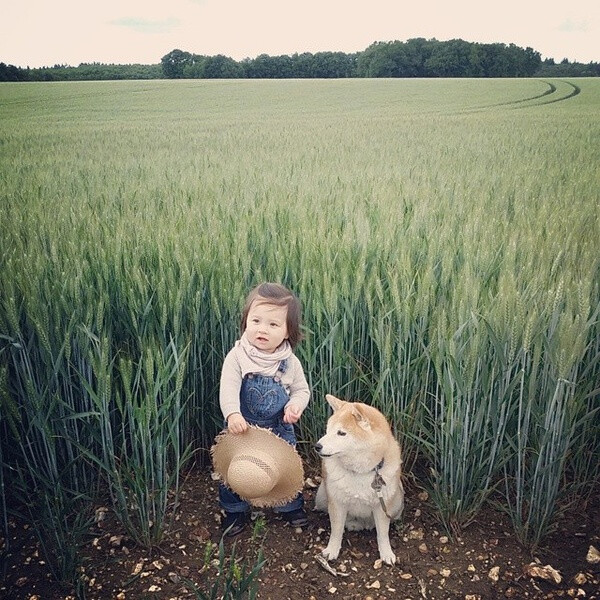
266,326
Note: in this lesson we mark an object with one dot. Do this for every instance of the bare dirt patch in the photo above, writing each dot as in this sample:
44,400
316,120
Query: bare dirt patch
485,563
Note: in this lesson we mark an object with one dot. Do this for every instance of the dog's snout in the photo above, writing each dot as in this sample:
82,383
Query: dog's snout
318,447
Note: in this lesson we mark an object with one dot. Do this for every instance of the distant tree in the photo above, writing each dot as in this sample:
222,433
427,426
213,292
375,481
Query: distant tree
396,59
194,68
268,67
566,69
174,63
222,67
12,73
377,61
417,52
449,59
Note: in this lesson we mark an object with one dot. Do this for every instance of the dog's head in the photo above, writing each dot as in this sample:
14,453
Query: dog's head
353,428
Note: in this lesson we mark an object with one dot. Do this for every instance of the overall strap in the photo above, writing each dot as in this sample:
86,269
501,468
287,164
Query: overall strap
283,365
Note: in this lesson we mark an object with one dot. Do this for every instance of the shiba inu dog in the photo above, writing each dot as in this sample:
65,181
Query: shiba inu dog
361,469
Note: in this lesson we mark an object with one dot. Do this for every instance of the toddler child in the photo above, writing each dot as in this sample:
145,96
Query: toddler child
263,383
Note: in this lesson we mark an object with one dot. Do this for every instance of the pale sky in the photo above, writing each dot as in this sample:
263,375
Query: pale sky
38,33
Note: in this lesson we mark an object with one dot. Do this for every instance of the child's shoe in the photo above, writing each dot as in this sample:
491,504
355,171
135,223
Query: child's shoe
296,518
233,523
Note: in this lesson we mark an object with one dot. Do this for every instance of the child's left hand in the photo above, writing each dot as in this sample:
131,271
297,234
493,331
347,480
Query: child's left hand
292,414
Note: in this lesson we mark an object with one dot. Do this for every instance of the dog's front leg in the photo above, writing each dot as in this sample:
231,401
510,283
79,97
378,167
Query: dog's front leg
382,525
337,520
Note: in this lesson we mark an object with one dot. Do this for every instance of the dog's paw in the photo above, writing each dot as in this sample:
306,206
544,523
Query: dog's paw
331,553
388,557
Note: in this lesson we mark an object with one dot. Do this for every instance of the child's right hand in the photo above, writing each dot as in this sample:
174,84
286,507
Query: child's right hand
236,423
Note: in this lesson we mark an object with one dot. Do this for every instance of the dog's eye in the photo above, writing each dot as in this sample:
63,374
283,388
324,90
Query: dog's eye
341,432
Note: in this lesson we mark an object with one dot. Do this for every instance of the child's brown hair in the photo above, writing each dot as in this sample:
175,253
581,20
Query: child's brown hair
275,293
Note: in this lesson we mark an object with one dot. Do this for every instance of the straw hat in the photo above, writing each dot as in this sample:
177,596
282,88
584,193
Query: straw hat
259,466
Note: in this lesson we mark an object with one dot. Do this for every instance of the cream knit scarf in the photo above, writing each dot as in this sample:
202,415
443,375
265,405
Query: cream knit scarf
253,360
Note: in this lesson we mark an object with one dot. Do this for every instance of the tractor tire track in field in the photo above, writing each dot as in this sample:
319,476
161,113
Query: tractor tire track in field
575,92
552,89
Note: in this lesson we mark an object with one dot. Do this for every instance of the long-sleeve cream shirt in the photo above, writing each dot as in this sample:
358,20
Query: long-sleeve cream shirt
244,359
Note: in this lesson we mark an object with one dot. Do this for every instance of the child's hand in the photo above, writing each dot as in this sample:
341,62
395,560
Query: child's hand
292,414
236,423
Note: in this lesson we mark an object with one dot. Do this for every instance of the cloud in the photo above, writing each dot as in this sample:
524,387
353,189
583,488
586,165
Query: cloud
146,26
571,25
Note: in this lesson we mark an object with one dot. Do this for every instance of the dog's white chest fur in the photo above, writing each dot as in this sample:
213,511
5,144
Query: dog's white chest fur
357,492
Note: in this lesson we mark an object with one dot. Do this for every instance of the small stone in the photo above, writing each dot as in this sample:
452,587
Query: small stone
445,572
444,539
116,540
138,568
580,578
593,556
416,534
494,573
377,564
542,572
423,549
373,586
100,514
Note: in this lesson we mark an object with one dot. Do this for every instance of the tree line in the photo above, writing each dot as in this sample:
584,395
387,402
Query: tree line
416,57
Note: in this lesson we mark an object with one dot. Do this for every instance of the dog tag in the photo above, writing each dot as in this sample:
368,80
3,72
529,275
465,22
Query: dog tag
378,483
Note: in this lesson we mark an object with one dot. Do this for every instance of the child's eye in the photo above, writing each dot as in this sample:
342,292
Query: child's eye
340,432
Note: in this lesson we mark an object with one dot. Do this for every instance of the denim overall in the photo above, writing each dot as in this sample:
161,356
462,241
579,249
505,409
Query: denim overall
262,400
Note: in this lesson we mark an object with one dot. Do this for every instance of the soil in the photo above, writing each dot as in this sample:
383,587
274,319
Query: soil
486,562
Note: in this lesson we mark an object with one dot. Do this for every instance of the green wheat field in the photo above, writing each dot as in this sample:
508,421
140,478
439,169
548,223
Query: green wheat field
443,236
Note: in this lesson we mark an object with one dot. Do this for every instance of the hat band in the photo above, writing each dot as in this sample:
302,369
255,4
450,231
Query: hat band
255,460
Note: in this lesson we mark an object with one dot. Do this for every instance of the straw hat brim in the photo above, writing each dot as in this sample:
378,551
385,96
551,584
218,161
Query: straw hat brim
259,442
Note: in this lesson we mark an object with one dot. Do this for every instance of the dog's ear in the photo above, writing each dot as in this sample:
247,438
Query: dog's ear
334,402
361,419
